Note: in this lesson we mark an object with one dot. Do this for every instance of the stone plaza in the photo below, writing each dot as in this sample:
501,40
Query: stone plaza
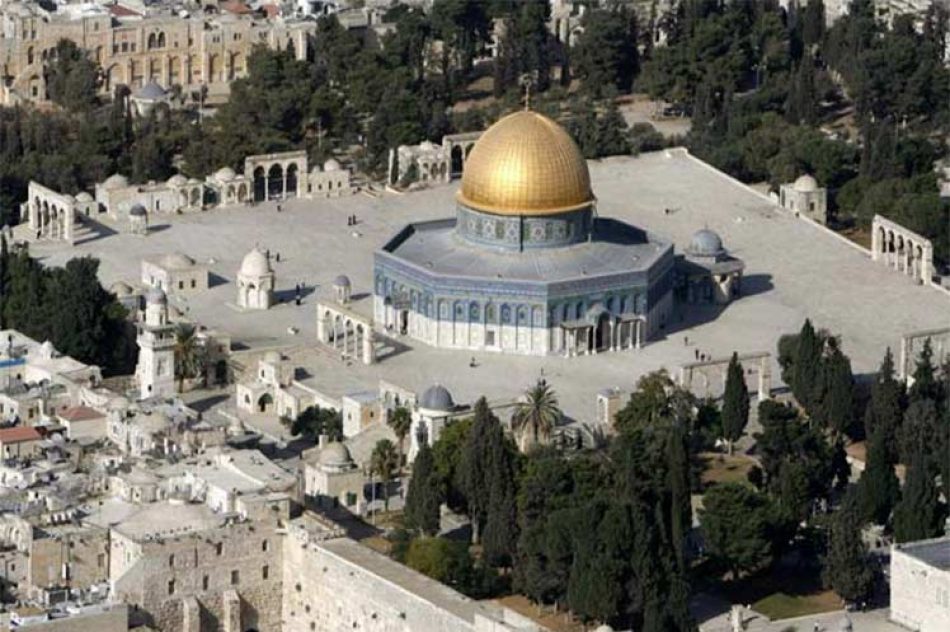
793,269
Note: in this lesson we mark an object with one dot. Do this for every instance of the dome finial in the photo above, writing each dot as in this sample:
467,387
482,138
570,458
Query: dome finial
527,82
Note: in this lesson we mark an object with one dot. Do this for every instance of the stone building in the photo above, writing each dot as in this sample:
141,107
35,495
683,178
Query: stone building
920,585
136,47
255,281
708,273
805,197
332,479
191,569
175,273
20,442
526,266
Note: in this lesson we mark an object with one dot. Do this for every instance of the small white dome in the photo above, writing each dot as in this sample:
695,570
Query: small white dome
177,180
115,181
83,197
335,455
224,174
255,263
137,210
331,165
177,261
273,357
806,184
342,281
427,145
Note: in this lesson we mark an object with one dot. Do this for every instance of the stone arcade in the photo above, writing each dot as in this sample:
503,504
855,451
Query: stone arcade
526,266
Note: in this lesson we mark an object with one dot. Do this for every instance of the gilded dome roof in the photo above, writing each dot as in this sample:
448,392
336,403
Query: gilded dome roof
525,164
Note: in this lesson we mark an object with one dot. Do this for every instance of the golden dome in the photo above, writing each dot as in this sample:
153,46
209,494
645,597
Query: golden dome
525,164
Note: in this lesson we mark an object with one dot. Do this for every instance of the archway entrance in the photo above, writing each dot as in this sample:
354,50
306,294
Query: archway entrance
275,182
221,372
260,185
457,160
265,403
291,189
602,332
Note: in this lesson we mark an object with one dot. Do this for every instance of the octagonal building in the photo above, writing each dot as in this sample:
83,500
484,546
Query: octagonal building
526,265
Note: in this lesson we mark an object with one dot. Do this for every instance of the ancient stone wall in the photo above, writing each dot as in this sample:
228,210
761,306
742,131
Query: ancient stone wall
244,558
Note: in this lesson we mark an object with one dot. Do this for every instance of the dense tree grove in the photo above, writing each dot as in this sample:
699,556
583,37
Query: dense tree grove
68,307
601,534
759,79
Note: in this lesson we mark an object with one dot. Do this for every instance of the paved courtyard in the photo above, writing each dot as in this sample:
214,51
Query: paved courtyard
793,270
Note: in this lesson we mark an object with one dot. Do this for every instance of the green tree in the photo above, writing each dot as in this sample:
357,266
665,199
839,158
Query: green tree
925,384
447,454
72,79
424,497
315,421
918,515
885,408
847,569
534,419
606,52
474,466
384,463
500,534
879,489
920,432
401,422
735,405
807,366
736,522
835,400
190,356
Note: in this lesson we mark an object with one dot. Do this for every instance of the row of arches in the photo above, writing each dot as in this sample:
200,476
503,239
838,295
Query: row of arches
170,70
51,219
903,251
276,182
350,336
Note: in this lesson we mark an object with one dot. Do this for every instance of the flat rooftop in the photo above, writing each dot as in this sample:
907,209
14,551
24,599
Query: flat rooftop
617,248
934,552
793,270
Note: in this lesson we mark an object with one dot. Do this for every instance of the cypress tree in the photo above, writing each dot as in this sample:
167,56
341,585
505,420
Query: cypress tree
884,410
879,489
735,405
846,569
836,409
500,535
424,497
807,365
925,384
474,467
918,516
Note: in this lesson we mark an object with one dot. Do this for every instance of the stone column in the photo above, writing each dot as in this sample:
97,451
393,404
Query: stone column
68,218
875,241
369,350
926,264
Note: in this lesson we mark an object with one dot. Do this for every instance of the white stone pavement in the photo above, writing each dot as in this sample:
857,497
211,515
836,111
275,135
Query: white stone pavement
793,270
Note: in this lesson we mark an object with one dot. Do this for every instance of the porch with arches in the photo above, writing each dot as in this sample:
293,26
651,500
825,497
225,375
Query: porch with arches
346,333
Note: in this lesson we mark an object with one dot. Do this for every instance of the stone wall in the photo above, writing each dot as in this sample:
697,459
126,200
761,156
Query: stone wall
327,591
82,553
244,558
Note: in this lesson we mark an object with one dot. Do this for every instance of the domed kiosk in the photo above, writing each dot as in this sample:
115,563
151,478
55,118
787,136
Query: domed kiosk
526,266
255,281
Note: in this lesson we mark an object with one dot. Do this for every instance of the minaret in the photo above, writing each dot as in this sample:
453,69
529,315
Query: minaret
155,372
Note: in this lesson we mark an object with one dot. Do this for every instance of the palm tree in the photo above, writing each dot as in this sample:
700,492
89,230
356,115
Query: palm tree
400,421
383,463
189,355
535,418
